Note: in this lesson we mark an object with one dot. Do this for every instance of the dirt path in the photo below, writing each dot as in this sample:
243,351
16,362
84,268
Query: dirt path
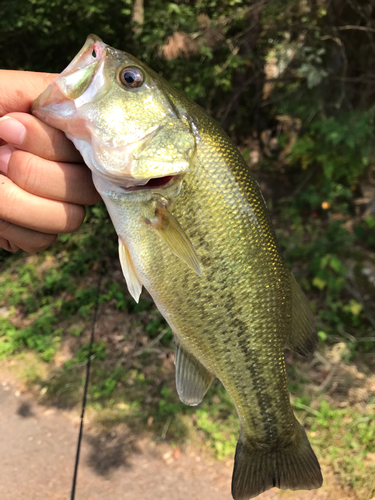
37,450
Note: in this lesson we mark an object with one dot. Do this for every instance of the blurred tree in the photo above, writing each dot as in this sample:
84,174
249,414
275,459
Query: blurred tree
292,77
215,50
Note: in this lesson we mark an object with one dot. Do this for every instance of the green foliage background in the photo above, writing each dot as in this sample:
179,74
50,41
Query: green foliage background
292,82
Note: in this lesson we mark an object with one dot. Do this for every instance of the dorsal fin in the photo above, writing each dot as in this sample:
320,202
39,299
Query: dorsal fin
129,271
169,229
303,337
192,379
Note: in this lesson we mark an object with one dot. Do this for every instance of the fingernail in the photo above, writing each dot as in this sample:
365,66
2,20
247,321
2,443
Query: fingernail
12,130
5,153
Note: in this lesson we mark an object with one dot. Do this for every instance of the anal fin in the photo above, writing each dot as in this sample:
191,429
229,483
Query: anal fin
172,233
192,379
303,337
129,271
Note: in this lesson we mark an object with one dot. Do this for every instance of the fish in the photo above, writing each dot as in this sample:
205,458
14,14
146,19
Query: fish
194,230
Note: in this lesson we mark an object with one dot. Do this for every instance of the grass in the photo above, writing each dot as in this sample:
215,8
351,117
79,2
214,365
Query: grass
350,436
344,439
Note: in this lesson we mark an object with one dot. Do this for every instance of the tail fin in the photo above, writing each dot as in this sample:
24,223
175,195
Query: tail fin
255,471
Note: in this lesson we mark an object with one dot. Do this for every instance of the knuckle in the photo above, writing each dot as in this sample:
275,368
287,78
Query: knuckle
94,197
4,225
75,215
53,146
8,201
27,171
41,242
31,179
8,245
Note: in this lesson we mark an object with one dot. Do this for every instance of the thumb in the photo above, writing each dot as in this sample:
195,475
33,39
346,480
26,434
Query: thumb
20,88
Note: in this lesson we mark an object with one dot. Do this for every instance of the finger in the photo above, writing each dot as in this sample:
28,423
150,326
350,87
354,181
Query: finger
40,214
13,238
59,181
8,245
30,134
20,88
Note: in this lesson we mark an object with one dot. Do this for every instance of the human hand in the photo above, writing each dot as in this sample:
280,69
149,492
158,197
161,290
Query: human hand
45,184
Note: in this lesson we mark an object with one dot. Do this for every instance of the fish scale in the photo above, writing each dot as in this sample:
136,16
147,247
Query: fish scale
200,240
252,321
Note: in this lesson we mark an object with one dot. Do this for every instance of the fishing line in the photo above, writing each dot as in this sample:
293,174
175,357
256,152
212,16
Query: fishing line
84,398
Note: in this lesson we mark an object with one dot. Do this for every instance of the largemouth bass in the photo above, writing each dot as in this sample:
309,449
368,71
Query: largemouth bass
194,230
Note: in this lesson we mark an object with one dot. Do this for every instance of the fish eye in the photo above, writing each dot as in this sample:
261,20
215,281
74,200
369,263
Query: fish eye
93,53
131,77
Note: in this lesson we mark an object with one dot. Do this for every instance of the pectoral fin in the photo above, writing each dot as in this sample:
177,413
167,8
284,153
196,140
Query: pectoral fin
172,233
303,337
129,271
192,379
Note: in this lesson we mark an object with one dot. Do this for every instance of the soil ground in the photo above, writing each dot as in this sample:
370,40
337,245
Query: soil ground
37,452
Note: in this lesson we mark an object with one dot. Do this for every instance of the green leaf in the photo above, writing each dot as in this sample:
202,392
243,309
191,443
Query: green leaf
322,335
319,283
355,307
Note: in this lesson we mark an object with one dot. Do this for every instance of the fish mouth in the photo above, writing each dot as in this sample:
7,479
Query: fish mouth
72,88
157,182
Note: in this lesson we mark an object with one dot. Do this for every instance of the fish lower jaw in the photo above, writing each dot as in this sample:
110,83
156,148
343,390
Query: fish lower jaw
156,182
129,184
118,188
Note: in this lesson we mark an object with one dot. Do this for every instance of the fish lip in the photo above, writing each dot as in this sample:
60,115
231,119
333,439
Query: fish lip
51,96
144,185
153,183
85,57
57,91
